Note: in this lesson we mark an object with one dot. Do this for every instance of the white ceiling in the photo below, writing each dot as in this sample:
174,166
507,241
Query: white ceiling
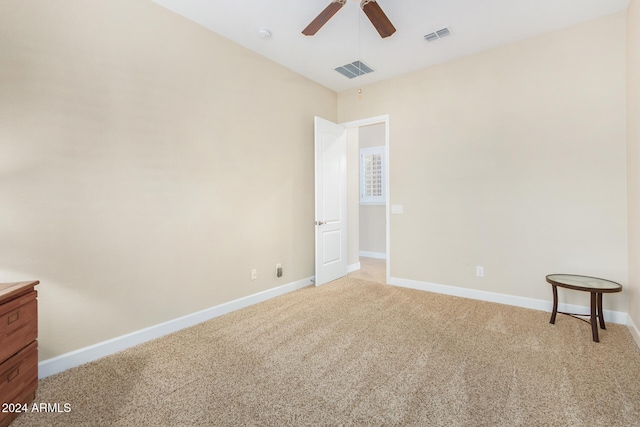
349,36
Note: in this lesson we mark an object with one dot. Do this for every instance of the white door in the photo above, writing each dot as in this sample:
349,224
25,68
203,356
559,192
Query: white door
331,200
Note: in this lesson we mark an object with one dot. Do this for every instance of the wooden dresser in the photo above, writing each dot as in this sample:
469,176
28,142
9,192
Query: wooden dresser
18,347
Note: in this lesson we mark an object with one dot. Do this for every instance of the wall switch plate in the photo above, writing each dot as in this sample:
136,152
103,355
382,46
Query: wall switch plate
254,274
479,271
397,209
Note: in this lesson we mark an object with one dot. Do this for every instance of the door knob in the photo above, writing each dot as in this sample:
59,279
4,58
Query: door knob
320,222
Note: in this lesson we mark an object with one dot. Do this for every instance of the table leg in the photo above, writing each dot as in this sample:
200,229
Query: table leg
600,313
555,304
594,316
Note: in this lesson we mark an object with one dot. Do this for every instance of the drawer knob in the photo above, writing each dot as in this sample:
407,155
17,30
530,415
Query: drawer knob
13,317
11,375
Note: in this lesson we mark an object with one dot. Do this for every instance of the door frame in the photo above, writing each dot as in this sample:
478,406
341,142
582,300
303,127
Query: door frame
372,121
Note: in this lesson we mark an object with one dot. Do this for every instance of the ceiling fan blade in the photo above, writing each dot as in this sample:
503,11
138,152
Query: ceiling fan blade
377,17
324,17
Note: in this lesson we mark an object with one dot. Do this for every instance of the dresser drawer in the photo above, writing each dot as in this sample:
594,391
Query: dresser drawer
18,324
19,373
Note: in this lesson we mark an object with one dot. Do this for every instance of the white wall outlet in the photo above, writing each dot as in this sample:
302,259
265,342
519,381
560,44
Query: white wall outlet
254,274
479,271
278,270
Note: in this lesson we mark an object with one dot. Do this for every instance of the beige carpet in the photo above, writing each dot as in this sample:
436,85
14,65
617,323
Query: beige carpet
354,352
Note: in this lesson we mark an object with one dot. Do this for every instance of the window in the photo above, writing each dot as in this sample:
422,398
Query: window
372,176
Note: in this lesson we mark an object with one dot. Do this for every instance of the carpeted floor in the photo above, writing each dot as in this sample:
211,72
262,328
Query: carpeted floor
355,352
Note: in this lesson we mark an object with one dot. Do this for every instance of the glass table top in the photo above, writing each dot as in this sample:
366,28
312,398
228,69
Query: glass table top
583,282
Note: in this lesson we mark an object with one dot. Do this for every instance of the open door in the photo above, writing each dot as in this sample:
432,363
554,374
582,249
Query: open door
331,200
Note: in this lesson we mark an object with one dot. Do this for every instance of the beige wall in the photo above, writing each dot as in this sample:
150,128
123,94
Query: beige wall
633,160
373,218
373,229
147,166
513,159
353,197
372,135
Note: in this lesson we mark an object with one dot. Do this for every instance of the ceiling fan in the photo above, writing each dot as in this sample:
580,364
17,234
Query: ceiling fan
371,8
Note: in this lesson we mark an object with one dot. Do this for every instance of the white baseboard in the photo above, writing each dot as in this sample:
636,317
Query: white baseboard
535,304
633,328
87,354
378,255
353,267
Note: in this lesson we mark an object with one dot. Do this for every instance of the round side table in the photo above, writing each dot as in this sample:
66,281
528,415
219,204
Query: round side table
595,286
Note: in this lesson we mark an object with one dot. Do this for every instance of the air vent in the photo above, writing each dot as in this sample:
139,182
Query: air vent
431,37
437,35
354,69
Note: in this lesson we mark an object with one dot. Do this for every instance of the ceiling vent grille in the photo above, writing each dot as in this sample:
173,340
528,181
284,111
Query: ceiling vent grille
355,69
437,35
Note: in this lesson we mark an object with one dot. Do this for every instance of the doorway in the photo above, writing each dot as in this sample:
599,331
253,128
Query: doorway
368,217
338,198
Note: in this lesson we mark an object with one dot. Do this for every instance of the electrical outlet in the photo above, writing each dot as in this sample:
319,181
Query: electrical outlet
254,274
479,271
278,270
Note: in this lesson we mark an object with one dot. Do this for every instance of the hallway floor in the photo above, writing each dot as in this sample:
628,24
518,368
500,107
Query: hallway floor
371,269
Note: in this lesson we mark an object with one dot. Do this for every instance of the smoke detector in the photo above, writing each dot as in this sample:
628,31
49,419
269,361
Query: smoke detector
264,34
